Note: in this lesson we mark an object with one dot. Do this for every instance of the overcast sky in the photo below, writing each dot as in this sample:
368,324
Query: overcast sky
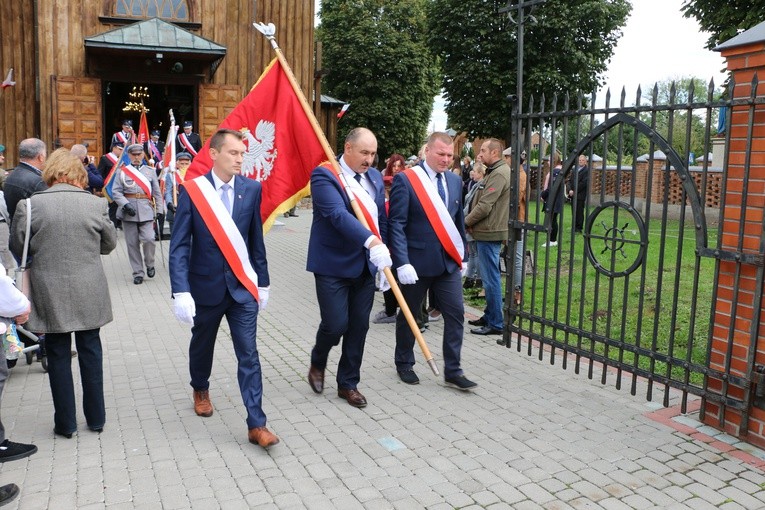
657,44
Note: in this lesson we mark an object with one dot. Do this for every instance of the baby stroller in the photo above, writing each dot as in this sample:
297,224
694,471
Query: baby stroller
32,344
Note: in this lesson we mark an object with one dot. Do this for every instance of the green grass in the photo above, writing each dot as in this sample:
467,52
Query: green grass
653,307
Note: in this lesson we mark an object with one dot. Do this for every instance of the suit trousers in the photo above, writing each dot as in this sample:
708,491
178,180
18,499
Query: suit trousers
135,235
447,289
58,347
243,322
344,305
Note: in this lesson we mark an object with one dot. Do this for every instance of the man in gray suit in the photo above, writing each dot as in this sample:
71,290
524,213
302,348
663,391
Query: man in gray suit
136,192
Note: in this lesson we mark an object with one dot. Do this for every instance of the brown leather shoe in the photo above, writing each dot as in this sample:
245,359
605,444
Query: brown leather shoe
316,379
202,404
263,437
353,397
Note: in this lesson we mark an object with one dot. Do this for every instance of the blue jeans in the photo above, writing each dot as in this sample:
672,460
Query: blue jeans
473,268
488,258
58,347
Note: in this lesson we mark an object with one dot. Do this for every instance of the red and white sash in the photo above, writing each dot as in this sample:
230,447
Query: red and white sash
112,158
141,180
121,137
437,214
185,142
366,203
223,229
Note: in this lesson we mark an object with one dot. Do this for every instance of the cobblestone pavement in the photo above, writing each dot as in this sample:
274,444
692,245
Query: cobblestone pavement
531,436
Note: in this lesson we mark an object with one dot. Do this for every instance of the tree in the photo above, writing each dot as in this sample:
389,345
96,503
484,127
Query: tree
678,92
565,51
724,20
379,62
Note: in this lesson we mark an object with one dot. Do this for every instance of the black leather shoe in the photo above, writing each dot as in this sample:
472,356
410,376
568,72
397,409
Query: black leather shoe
486,330
138,280
478,322
316,379
67,435
150,272
408,376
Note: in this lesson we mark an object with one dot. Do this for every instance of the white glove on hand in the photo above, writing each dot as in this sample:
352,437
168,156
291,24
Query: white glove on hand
184,308
380,256
381,282
263,293
463,271
407,275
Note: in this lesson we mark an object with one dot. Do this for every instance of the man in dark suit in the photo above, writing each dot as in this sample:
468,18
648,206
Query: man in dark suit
206,285
429,252
344,257
26,178
188,141
580,180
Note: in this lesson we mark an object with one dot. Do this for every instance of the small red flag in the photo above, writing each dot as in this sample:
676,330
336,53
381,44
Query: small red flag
143,129
343,110
282,147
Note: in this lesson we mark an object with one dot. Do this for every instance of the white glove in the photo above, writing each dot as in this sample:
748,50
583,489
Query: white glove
381,282
184,308
463,270
263,293
407,275
379,256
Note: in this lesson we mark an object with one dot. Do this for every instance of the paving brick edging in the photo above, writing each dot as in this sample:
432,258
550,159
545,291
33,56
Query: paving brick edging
667,417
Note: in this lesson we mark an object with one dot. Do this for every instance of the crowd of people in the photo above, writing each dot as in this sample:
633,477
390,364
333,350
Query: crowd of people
425,224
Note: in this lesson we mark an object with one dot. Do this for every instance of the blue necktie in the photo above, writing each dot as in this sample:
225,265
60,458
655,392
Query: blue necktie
440,186
358,179
224,197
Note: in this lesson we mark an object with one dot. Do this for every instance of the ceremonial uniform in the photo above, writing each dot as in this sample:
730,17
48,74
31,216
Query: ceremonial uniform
187,142
124,136
139,228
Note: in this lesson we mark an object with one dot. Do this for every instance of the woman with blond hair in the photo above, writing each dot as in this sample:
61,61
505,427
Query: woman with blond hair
69,229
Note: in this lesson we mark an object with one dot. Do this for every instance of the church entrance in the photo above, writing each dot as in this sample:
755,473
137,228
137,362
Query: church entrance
123,100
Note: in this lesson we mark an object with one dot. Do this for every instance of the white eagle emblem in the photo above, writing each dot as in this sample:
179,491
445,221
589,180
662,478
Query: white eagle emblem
261,154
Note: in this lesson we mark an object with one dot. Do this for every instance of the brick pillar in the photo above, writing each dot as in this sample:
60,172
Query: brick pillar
742,332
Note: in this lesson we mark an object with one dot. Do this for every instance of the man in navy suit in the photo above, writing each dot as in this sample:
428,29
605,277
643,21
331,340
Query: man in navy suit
345,257
426,235
206,286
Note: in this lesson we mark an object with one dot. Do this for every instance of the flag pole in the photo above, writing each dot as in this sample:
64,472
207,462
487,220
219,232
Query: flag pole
269,32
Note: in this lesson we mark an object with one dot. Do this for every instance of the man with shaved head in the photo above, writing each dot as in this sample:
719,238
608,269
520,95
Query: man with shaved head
487,223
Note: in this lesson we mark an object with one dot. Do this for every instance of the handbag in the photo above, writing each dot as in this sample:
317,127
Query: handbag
22,280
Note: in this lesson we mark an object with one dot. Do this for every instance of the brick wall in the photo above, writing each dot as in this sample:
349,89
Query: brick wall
738,330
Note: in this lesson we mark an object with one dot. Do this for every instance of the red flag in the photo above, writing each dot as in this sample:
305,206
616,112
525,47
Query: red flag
282,147
143,129
343,110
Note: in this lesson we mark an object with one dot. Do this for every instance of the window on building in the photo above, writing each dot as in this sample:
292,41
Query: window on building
170,10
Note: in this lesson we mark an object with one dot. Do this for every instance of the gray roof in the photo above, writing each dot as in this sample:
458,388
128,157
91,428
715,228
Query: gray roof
331,100
753,35
155,35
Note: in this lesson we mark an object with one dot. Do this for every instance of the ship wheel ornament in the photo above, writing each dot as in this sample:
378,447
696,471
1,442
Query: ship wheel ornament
615,239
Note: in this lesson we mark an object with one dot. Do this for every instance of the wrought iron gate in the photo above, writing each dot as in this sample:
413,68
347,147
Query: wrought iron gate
633,291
